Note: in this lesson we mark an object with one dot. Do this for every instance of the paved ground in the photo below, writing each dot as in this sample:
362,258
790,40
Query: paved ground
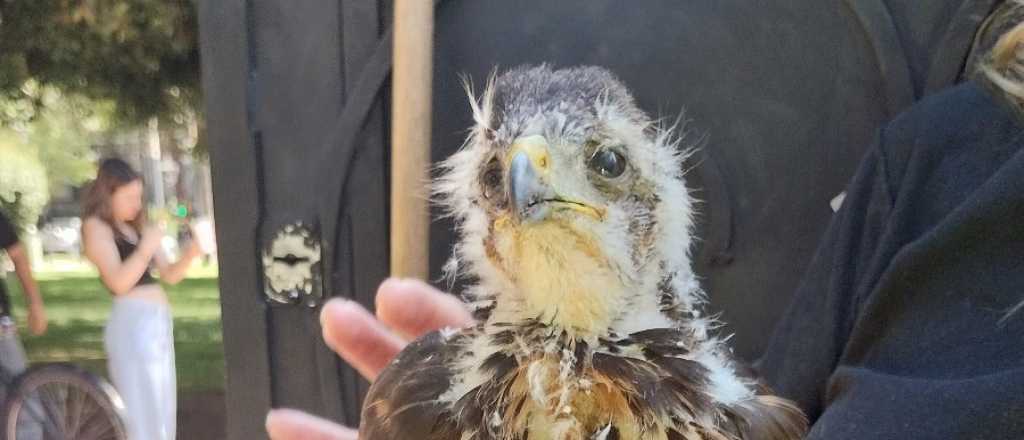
201,416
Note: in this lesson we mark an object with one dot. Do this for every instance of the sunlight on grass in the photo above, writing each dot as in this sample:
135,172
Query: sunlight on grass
78,305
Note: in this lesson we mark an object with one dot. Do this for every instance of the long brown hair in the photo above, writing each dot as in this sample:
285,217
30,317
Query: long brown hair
113,173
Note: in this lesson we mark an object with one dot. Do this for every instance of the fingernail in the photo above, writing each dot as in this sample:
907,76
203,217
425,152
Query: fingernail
323,310
394,281
270,416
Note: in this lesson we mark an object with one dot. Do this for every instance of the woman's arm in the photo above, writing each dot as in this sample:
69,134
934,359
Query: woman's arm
119,276
172,273
34,301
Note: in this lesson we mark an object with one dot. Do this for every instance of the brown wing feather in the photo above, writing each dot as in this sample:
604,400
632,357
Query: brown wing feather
768,418
402,403
765,417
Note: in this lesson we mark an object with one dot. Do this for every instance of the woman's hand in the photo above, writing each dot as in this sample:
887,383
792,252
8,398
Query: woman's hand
36,317
406,309
151,238
194,248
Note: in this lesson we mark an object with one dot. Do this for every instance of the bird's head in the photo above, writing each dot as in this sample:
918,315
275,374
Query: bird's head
570,203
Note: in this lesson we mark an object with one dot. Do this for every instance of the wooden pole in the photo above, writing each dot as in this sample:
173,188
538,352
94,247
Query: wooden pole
410,137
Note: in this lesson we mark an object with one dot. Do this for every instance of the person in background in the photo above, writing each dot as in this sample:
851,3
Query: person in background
12,355
139,337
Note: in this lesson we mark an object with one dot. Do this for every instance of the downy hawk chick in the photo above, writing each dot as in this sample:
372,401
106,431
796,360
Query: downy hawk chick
576,224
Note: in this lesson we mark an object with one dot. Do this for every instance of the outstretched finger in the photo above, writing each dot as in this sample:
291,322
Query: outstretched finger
358,337
287,424
412,308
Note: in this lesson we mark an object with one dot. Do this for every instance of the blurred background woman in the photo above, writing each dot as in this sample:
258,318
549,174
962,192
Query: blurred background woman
139,337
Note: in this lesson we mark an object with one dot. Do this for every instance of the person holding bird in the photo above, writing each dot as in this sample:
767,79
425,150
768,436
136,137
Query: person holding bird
907,324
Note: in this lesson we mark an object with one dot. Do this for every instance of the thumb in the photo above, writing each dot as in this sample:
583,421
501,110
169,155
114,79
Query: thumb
288,424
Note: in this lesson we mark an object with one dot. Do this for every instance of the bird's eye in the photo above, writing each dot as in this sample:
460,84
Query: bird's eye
491,179
608,163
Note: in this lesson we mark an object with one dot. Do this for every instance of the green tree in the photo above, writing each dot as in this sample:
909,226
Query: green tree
73,69
23,186
140,54
61,132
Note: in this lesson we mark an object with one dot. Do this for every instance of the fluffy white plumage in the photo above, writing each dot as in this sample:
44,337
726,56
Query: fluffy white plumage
575,225
655,151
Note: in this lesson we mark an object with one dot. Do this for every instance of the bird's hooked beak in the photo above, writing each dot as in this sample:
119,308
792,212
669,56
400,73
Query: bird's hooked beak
532,195
528,162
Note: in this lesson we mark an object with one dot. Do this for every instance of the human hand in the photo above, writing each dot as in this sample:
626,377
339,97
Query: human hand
202,233
289,424
194,248
406,309
36,318
151,238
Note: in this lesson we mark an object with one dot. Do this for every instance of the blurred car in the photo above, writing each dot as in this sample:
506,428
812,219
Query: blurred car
61,235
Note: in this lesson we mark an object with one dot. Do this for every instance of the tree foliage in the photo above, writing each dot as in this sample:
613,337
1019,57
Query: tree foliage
23,186
60,131
140,54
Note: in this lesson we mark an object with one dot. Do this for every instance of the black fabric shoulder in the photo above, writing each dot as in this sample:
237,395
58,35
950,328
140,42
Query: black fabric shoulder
943,126
923,262
810,337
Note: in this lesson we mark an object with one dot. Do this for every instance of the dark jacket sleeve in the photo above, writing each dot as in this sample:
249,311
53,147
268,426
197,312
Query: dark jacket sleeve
809,339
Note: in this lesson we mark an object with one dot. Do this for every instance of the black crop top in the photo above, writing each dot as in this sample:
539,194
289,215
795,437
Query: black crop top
125,248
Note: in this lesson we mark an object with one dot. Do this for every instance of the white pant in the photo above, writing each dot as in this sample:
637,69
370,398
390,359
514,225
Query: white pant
139,339
14,362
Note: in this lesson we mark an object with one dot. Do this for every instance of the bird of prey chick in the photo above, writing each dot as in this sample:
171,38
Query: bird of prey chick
575,223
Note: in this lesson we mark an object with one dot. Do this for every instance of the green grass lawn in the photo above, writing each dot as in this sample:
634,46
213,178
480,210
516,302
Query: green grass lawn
77,306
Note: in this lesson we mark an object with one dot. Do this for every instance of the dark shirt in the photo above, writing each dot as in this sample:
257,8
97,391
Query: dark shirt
125,248
900,327
8,238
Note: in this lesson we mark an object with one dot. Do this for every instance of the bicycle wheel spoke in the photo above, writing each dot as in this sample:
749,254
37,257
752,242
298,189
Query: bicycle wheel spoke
38,412
91,411
66,391
97,431
54,406
62,403
31,410
97,424
85,406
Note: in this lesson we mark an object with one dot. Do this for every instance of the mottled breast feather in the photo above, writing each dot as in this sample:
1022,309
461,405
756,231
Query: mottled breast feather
661,391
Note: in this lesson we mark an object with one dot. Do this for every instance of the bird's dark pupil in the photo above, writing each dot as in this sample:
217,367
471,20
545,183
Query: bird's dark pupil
491,180
609,163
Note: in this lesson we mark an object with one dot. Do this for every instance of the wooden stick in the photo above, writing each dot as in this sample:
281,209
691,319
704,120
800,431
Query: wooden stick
410,137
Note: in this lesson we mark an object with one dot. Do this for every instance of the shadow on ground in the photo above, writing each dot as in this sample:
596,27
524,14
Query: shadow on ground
201,415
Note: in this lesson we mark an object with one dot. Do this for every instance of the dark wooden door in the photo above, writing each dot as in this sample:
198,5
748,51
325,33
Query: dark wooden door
277,76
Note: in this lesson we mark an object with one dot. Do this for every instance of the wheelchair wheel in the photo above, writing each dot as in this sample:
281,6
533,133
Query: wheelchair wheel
62,402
